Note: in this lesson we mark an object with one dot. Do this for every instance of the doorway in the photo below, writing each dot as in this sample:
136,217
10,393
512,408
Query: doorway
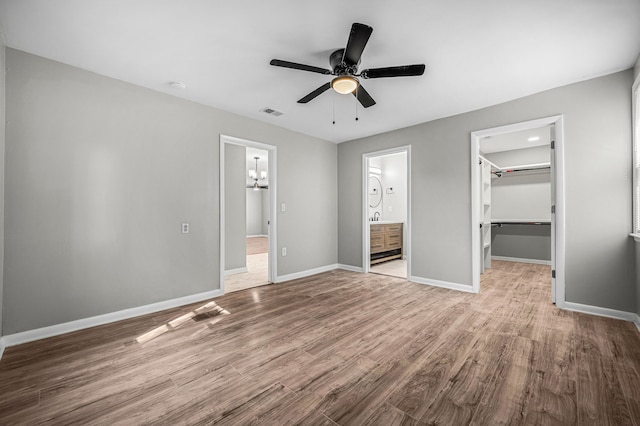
247,214
518,199
387,212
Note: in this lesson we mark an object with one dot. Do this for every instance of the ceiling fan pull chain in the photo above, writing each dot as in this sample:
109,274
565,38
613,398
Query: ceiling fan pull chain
357,87
333,107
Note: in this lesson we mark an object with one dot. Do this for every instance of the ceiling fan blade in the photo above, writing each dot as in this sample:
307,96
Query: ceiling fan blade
400,71
296,66
358,38
364,97
315,93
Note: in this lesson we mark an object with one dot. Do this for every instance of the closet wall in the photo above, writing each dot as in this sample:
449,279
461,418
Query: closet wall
521,196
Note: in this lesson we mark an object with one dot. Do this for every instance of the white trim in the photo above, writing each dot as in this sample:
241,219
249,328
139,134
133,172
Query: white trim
273,212
558,121
235,271
1,347
601,312
637,321
442,284
349,268
307,273
406,243
257,236
636,237
635,133
81,324
522,260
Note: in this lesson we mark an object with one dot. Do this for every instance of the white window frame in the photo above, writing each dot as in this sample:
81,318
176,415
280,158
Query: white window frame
635,102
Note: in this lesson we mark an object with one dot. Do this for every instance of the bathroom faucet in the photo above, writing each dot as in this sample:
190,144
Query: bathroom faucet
376,218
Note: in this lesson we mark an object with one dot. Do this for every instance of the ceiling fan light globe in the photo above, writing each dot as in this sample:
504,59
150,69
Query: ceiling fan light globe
345,84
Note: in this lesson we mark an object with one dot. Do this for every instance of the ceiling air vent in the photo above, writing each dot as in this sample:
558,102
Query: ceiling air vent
271,111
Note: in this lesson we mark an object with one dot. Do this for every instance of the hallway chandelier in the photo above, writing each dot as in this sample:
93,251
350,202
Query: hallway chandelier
253,174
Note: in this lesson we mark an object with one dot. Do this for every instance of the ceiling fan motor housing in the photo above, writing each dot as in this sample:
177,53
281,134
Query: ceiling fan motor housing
339,67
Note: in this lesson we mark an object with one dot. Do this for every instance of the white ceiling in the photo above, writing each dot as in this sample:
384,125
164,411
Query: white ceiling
477,53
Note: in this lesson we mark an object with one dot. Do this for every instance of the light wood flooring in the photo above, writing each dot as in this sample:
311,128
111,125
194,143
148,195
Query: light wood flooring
395,268
339,348
257,245
257,274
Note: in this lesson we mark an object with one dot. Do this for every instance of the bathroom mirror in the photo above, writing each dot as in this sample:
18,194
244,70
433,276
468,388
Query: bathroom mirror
375,191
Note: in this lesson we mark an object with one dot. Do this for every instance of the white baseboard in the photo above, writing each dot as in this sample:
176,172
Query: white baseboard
67,327
602,312
307,273
1,346
521,260
256,236
235,271
349,268
637,321
442,284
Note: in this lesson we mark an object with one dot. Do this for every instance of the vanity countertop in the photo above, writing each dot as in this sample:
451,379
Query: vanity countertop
384,222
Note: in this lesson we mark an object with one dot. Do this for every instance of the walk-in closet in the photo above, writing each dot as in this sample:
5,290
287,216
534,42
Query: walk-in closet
517,195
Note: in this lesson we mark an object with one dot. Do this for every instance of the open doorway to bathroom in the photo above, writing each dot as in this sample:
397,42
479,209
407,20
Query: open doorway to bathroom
386,212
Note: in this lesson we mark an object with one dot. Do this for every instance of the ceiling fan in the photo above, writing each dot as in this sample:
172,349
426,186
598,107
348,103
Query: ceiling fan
344,66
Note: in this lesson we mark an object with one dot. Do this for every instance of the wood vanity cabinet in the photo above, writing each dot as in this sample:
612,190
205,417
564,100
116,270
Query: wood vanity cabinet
385,242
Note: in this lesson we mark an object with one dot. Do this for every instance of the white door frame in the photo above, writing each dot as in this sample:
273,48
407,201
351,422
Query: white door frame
365,206
558,122
273,228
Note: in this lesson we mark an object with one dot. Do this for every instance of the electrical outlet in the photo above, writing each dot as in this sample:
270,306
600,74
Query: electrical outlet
283,207
284,251
185,228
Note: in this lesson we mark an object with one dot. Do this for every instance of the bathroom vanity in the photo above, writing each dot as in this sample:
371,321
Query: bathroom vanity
385,241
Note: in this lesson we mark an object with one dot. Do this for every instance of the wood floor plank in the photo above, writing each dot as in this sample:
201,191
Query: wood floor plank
600,397
339,348
461,396
553,391
505,396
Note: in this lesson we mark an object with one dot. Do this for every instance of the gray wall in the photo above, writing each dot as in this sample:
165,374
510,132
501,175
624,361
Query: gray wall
101,173
235,207
2,148
521,196
522,241
254,211
257,212
599,253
